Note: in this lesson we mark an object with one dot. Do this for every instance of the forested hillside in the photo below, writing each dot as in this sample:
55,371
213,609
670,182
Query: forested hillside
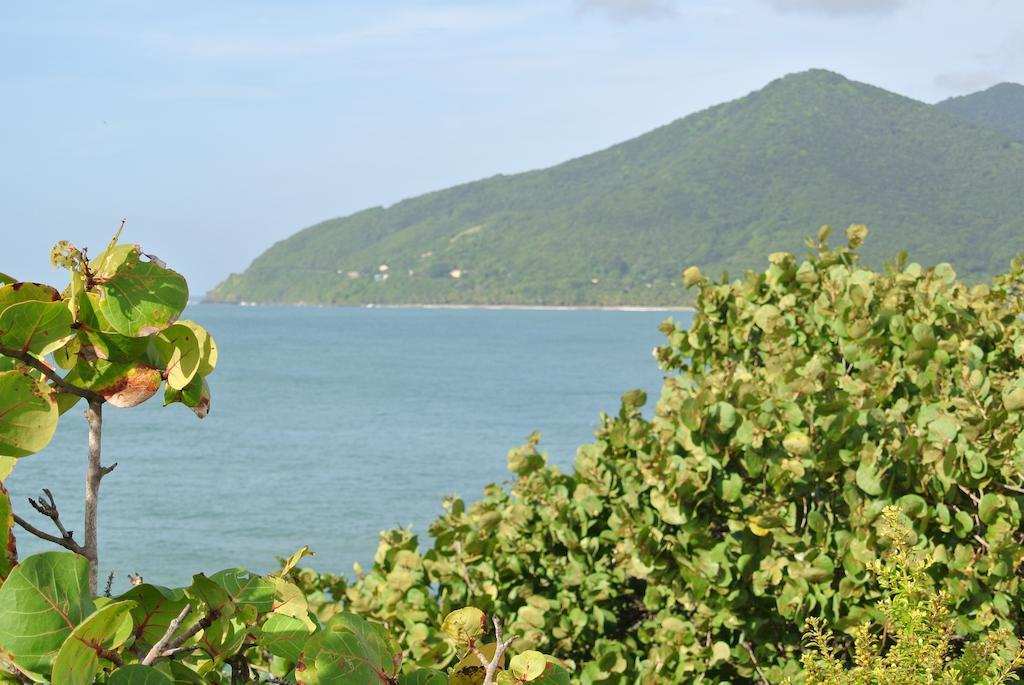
1000,107
719,188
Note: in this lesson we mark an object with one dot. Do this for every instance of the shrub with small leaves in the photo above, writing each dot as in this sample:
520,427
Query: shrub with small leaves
914,643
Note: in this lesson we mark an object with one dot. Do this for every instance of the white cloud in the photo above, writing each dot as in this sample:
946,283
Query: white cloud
966,81
839,7
629,10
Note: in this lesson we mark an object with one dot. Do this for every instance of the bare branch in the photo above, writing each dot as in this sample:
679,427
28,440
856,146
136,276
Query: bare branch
63,542
110,584
38,364
500,647
156,651
174,645
104,470
50,511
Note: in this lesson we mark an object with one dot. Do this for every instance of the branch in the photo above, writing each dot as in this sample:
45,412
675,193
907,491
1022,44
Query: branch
156,651
500,647
56,378
48,509
63,542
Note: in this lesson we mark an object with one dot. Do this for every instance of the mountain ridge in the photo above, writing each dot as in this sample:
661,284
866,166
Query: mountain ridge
1000,107
720,188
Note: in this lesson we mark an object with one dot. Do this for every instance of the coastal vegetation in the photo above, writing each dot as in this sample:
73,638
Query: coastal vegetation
803,401
829,491
720,189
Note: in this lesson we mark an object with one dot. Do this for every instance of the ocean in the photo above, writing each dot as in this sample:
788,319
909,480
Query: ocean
329,425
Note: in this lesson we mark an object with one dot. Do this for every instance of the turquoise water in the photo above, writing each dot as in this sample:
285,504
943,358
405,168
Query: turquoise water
329,425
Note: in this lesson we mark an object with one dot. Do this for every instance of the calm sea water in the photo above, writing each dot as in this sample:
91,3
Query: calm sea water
329,425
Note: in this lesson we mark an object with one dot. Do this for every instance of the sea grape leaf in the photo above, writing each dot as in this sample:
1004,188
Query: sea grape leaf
34,326
179,349
78,660
122,385
5,279
14,293
290,600
6,466
465,624
349,651
28,414
284,636
41,602
8,546
471,671
137,674
423,677
294,559
527,665
106,264
245,588
207,348
112,347
155,608
141,297
195,396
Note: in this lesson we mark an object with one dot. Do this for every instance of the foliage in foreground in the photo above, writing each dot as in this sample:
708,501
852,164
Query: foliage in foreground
112,336
231,627
690,547
914,644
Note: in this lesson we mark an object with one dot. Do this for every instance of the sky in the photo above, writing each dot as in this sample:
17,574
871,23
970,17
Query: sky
218,128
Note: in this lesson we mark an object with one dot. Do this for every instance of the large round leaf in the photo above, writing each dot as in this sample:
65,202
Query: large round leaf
179,349
141,297
195,396
28,414
78,660
13,293
5,279
155,608
137,674
35,326
207,348
284,636
349,651
122,385
8,548
41,602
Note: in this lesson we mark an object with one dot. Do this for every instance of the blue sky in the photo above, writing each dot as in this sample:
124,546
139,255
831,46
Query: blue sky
218,128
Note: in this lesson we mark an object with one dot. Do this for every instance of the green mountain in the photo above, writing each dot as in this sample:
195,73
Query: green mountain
720,188
1000,107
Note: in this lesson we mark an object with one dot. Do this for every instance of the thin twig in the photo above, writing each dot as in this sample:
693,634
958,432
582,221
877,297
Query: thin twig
110,584
65,543
37,364
753,660
50,511
156,651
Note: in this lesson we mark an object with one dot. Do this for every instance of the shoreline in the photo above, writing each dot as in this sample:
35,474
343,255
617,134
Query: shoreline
496,307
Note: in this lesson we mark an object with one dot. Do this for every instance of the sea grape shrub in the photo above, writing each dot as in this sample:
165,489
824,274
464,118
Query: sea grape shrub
691,546
113,331
230,627
112,336
914,643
